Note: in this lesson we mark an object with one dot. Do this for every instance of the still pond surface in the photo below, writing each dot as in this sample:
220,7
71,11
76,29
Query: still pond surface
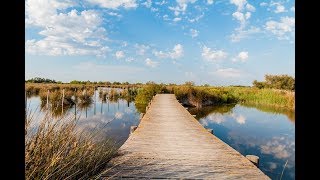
250,129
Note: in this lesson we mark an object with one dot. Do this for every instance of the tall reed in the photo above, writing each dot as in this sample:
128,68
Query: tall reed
58,149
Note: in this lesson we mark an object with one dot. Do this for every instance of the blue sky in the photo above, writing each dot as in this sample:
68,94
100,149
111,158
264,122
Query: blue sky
219,42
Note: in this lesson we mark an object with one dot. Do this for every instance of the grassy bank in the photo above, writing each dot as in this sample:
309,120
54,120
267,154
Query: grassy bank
200,96
271,97
58,150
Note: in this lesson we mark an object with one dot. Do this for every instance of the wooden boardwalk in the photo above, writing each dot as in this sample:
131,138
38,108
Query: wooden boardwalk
170,143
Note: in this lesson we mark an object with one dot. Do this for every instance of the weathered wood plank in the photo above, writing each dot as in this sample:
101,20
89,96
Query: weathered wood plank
170,143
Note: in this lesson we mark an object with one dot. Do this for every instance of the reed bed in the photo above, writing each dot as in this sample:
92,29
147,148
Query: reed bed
57,149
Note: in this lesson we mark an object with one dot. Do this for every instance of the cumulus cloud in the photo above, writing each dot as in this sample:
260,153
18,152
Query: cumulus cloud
280,147
141,49
280,8
65,33
119,54
194,33
242,56
240,119
176,53
114,4
213,55
284,29
151,63
212,118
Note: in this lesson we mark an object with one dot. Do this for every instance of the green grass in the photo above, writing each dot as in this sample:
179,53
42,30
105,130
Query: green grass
57,149
277,98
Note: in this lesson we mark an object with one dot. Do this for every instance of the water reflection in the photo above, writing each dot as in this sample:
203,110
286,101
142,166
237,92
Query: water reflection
262,131
276,110
107,112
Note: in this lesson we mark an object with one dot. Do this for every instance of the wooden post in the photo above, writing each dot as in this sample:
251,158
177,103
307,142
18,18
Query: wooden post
254,159
94,108
75,111
209,130
101,106
141,115
62,100
132,129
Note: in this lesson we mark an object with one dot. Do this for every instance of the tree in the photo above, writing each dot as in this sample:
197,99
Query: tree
40,80
277,82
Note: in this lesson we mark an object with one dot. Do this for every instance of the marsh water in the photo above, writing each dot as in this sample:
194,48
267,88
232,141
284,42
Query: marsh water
264,131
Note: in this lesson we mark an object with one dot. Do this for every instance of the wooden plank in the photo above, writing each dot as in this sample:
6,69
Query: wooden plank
170,143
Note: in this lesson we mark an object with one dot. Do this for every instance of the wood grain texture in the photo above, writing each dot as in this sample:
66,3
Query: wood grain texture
170,143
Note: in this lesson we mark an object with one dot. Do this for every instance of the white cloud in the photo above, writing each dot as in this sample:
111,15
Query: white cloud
242,14
161,3
196,19
114,4
279,147
239,3
283,29
147,3
213,55
151,63
212,118
64,33
177,52
182,6
280,9
119,54
228,73
114,14
239,16
242,56
165,17
241,34
177,19
249,7
293,8
210,1
141,49
240,119
118,115
194,33
263,4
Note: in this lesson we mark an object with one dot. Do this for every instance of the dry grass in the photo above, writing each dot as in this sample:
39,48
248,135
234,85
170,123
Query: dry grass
57,149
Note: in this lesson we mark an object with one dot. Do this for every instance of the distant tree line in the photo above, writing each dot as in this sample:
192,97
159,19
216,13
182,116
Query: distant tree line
41,80
276,82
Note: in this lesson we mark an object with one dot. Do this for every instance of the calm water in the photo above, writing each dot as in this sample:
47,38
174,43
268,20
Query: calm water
112,118
263,131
